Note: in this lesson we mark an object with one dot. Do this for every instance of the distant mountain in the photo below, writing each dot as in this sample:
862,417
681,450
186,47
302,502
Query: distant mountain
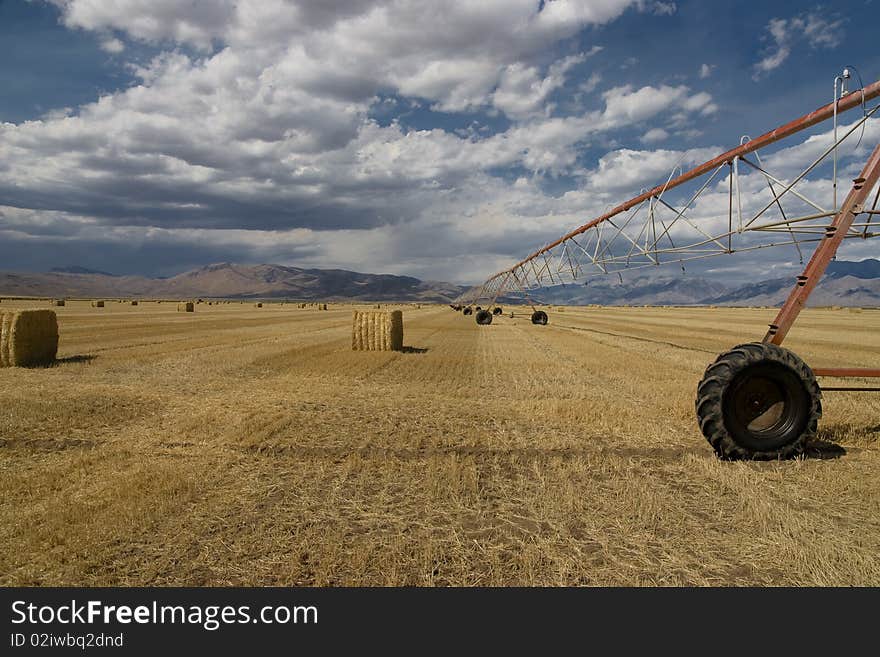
232,281
869,268
846,283
74,269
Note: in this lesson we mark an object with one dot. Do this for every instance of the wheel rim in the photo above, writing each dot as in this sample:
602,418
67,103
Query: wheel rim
766,406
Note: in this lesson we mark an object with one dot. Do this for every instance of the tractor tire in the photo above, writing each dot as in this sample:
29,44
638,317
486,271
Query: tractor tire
484,317
760,402
467,311
539,317
497,310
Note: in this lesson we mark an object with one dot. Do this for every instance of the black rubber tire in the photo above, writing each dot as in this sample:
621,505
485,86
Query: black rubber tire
757,377
484,317
468,310
539,317
478,308
497,310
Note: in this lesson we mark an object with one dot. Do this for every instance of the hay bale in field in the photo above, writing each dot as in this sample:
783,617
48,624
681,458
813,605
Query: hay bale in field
28,338
59,302
97,304
187,307
855,310
324,307
258,305
377,331
134,303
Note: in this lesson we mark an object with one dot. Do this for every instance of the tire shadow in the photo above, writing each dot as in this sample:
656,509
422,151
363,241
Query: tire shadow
818,448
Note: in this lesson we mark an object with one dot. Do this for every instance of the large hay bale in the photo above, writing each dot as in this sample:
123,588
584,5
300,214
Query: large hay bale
97,304
377,331
258,305
59,302
28,338
186,307
134,303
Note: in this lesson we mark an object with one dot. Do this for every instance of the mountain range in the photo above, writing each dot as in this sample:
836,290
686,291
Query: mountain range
846,283
227,280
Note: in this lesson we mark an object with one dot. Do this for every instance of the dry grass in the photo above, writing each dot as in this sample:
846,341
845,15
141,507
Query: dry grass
244,447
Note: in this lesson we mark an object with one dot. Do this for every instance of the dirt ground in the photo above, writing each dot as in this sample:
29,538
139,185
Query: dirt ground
246,446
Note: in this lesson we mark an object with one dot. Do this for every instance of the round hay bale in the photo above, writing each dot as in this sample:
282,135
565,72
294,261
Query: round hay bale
97,304
186,306
28,338
258,305
134,303
377,330
59,302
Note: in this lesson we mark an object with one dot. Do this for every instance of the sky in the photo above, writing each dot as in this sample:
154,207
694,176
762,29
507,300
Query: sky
441,139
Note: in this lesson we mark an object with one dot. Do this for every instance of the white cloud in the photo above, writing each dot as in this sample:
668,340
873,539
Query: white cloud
706,70
785,33
627,170
658,8
112,45
654,135
265,138
522,92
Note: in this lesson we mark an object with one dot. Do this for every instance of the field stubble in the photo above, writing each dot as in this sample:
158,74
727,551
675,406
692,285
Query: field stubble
243,446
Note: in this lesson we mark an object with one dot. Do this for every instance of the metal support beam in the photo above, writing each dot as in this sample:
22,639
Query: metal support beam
845,372
826,250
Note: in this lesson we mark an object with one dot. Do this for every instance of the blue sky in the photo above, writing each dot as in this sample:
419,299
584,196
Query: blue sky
443,140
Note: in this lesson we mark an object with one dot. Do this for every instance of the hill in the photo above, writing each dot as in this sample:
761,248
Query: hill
232,281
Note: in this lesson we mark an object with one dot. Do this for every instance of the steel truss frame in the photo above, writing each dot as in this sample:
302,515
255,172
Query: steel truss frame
648,230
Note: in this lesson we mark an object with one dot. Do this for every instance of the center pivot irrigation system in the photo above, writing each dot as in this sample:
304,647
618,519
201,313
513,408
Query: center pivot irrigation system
758,400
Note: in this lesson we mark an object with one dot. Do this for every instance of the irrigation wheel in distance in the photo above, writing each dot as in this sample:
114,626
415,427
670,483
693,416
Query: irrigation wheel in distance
484,317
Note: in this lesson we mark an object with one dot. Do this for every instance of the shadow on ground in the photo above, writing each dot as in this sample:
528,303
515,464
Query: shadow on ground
82,358
817,448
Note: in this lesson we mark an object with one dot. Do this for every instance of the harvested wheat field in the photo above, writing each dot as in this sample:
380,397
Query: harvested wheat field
237,446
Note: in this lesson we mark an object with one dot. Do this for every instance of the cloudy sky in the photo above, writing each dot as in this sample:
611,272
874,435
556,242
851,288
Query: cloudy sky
443,139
